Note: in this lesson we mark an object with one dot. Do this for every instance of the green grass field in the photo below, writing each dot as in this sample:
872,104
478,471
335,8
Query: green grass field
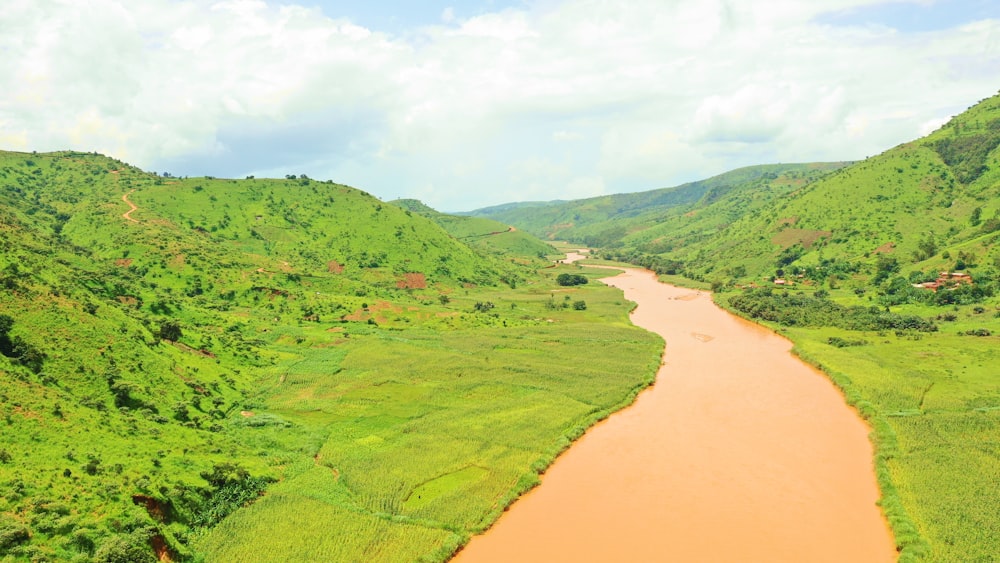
423,436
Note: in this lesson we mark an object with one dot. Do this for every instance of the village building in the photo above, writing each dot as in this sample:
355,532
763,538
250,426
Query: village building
947,280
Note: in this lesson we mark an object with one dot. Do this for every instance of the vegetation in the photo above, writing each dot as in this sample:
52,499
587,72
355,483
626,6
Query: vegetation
608,221
483,233
885,274
208,369
199,368
571,279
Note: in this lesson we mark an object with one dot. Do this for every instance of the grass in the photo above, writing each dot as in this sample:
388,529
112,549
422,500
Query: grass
395,386
453,428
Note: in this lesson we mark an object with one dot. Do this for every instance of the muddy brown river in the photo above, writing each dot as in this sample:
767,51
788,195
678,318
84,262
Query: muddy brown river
739,452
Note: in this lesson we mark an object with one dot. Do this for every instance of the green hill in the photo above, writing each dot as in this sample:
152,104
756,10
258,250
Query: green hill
189,367
929,205
483,233
603,220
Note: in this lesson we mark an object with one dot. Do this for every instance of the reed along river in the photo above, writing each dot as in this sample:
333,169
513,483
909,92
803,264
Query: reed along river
739,452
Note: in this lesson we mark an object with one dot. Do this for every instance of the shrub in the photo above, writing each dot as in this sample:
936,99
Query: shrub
12,533
170,330
977,332
580,305
571,280
126,548
844,343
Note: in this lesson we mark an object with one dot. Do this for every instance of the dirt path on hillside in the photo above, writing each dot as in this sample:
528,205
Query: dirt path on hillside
132,207
740,452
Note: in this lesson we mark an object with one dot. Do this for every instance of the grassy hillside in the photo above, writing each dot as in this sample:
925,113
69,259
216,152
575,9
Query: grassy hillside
483,233
929,205
189,364
605,220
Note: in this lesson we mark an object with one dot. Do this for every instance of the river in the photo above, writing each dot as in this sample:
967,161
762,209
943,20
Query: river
739,452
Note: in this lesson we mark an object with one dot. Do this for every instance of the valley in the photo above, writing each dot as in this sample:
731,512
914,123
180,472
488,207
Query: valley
206,369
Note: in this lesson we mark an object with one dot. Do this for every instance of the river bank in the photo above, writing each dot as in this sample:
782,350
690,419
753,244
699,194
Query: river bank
740,451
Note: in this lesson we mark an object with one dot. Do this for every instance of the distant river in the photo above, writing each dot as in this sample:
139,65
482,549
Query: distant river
740,452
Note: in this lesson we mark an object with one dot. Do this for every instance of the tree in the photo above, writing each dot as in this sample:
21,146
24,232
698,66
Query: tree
580,305
6,346
571,279
976,217
170,330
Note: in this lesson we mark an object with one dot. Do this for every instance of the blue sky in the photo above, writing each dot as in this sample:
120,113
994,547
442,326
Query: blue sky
400,17
916,17
464,104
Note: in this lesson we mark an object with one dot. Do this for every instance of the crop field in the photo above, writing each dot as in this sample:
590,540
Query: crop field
413,439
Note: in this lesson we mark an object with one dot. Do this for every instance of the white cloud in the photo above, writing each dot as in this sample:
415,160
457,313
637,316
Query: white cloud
559,100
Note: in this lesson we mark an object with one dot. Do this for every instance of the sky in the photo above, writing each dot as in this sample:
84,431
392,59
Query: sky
468,103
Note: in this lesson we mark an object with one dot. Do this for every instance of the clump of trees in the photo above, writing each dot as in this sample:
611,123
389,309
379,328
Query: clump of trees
17,348
802,310
567,280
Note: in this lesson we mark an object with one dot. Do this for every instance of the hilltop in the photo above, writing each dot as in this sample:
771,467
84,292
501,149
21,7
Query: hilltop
604,220
480,232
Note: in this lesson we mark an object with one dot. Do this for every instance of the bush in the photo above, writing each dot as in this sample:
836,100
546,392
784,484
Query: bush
12,533
170,330
844,343
571,279
580,305
126,548
977,332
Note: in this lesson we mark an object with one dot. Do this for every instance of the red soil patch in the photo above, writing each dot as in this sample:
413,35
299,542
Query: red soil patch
127,300
159,546
334,267
412,281
371,312
123,262
806,237
26,413
155,509
246,414
177,261
788,221
186,348
886,248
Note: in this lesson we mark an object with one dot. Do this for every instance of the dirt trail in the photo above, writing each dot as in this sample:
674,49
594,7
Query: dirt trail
132,206
740,452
